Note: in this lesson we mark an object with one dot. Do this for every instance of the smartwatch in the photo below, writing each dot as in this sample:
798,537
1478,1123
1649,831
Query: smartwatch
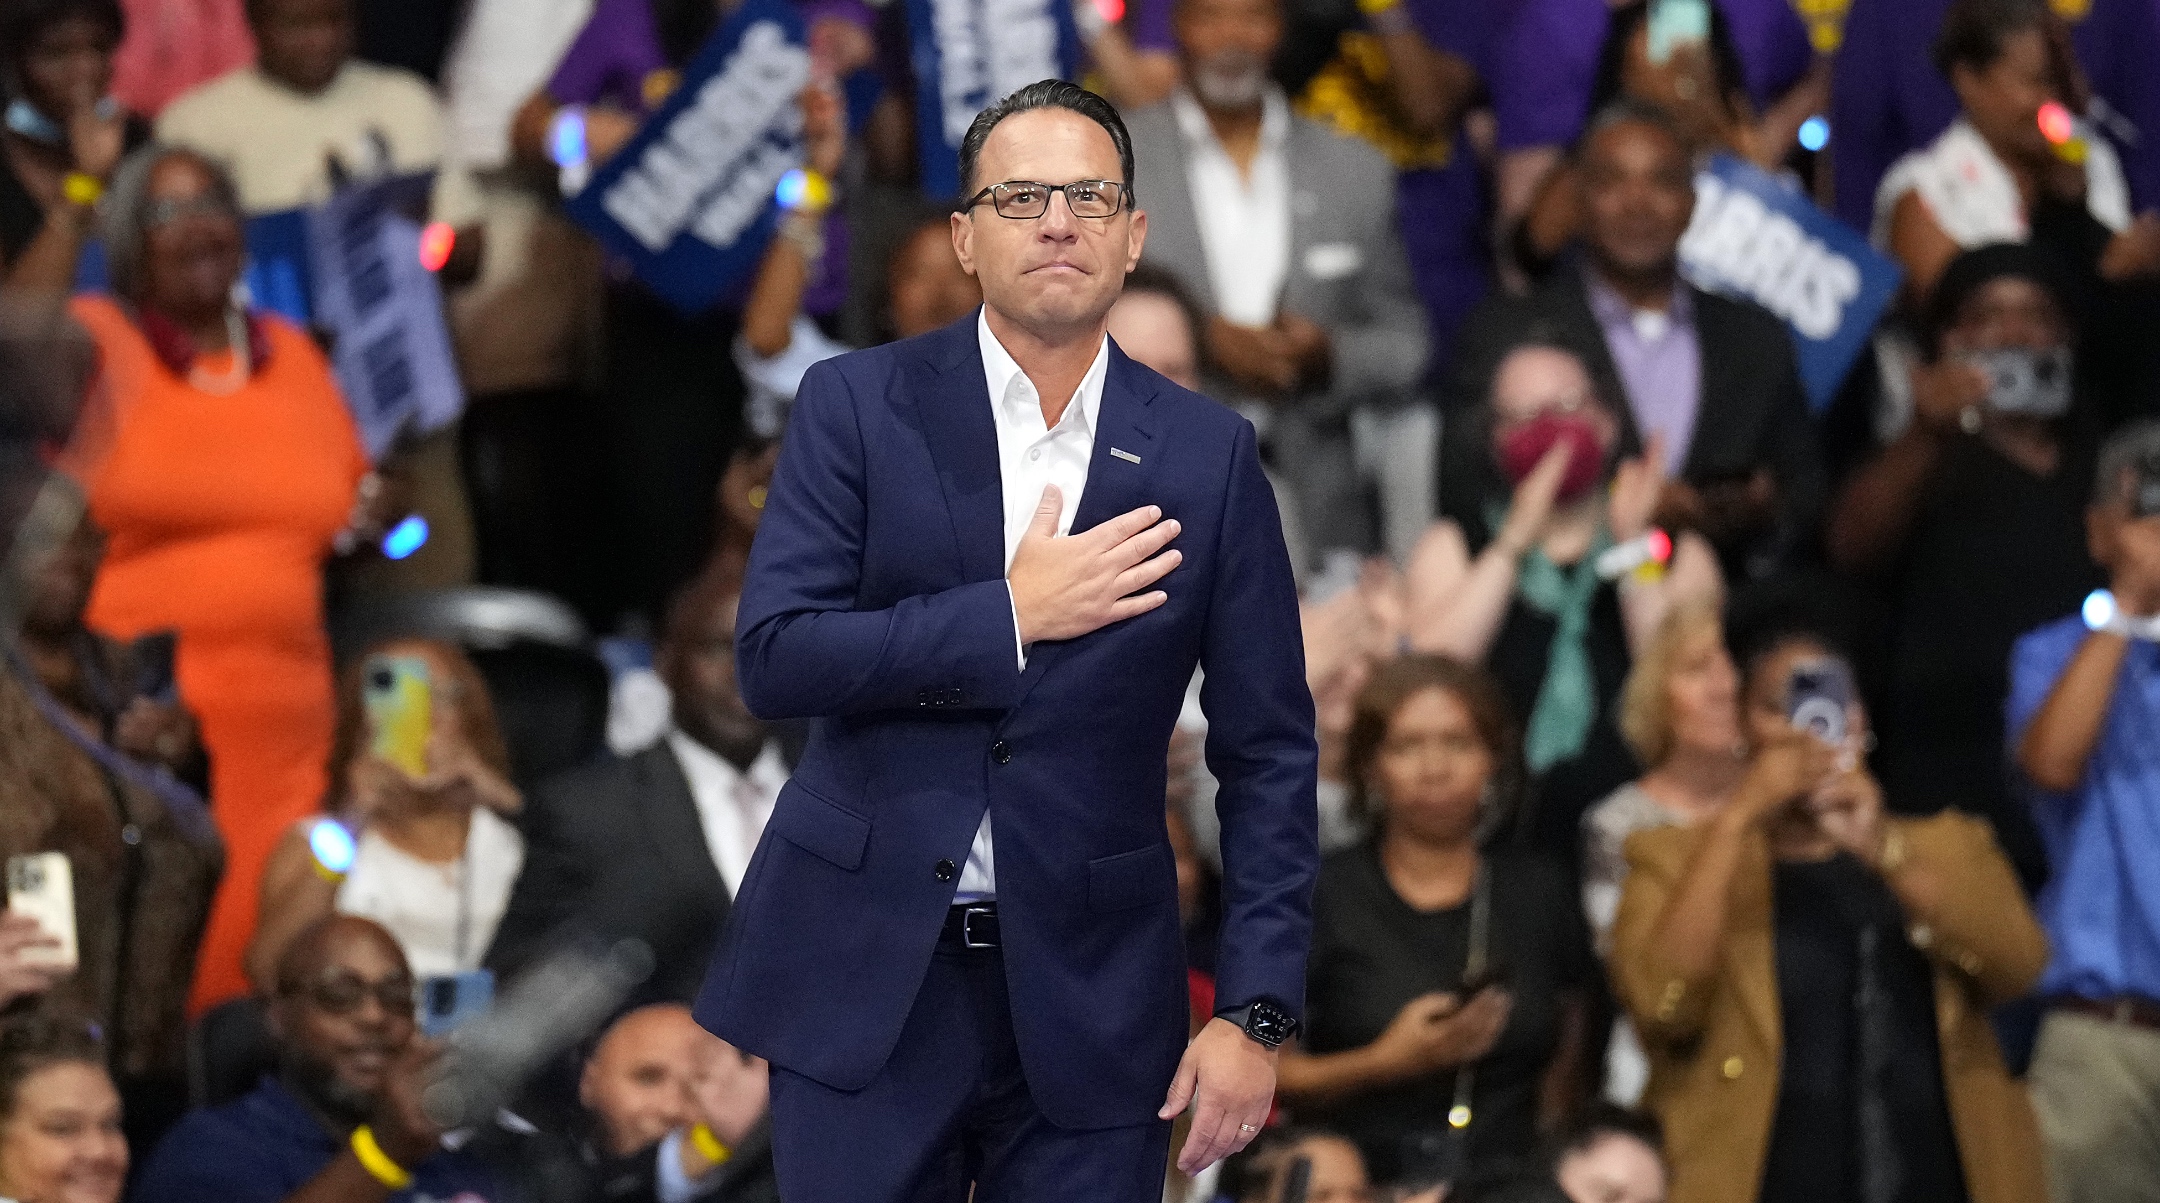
1263,1021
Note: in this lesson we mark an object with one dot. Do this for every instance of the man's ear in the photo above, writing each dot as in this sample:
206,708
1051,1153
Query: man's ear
1137,239
963,241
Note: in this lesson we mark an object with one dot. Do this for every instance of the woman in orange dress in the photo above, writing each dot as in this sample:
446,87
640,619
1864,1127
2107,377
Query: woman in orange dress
220,459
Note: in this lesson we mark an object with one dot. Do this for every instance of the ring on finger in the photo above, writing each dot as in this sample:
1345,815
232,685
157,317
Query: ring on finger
1247,1129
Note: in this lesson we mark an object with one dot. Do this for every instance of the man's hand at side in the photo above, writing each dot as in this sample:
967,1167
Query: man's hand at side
1229,1079
1065,587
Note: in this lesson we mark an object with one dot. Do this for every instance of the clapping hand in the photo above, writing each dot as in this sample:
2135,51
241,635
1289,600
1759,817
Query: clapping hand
1530,510
1636,487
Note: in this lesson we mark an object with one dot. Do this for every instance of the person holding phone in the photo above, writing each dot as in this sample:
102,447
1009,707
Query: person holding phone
341,1120
2083,695
1448,974
416,831
1972,521
1812,978
101,769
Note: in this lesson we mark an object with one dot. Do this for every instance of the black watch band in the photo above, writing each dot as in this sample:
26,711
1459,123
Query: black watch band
1263,1021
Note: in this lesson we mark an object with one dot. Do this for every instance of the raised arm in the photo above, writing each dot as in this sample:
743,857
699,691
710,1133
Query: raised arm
1965,906
1672,924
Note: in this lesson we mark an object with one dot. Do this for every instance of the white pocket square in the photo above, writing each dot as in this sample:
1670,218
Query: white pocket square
1333,260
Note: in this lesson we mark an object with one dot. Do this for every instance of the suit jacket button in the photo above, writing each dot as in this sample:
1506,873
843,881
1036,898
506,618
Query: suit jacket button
1001,752
1734,1067
922,697
945,870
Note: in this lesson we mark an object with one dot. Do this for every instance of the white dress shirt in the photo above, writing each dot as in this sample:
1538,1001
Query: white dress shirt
1244,216
732,805
1031,455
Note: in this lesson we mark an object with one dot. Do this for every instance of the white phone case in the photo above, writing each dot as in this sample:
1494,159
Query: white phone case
43,887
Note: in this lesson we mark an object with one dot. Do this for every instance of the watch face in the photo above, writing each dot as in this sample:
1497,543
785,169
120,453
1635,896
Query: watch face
1269,1024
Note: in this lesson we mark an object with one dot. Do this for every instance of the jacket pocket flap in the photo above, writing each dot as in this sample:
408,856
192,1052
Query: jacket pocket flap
821,827
1132,879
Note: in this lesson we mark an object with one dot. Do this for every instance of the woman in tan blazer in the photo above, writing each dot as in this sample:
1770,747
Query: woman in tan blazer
1812,979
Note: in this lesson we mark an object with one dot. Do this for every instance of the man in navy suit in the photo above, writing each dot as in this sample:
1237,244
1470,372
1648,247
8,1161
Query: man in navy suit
990,561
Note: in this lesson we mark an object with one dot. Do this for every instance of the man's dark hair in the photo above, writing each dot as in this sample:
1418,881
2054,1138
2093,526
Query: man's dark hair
1973,31
34,1043
1151,278
1046,94
1629,111
1599,1120
22,22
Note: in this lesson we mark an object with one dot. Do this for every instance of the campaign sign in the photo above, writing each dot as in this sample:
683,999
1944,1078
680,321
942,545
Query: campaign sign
688,203
970,54
383,311
1755,238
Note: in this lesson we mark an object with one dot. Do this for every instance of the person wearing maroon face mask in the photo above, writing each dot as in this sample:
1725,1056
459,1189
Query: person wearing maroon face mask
1530,601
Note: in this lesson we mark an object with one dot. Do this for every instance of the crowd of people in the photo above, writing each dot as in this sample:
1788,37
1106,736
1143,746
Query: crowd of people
1733,787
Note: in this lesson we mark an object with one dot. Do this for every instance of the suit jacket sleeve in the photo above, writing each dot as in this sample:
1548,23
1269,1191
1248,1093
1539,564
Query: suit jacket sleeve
1667,1006
549,888
1260,747
1383,347
1980,925
803,649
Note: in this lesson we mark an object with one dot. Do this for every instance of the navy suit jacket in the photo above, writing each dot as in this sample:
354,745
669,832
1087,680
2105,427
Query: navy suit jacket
876,605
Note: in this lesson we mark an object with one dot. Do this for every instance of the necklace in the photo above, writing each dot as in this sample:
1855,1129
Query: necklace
236,376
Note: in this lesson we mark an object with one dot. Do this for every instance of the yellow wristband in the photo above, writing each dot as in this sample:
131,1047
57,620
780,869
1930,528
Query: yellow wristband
376,1162
81,188
707,1145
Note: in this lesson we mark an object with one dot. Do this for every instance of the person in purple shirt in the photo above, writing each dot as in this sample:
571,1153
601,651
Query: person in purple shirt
1546,60
1890,98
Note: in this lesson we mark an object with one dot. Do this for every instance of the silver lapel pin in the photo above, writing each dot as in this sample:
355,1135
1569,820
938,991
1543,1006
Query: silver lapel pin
1125,455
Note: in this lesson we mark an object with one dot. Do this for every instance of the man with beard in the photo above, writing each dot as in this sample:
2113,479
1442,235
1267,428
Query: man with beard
340,1122
1285,233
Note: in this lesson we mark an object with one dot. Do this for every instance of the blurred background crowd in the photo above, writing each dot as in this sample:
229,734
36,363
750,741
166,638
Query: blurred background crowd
1738,782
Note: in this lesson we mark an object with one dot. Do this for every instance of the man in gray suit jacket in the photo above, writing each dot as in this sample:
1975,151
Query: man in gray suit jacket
1285,233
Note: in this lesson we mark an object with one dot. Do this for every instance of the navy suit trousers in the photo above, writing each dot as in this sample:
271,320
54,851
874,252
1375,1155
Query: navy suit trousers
952,1108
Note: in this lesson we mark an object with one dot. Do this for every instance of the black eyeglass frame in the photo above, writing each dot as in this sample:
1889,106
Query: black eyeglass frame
1124,198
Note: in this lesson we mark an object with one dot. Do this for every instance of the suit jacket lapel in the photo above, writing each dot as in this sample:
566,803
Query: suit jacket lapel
1305,214
1174,224
1604,372
671,820
1115,485
947,386
1716,377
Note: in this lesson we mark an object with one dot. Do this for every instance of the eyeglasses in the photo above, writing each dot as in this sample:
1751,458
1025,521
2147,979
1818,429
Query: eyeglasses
1572,401
1022,200
165,212
342,994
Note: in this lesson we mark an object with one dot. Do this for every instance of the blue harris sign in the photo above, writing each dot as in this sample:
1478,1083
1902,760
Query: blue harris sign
1758,239
688,202
970,54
